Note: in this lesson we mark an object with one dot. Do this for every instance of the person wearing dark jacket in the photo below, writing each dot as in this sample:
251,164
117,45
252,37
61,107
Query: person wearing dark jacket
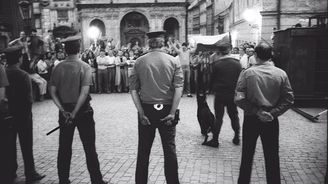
19,93
6,135
35,46
226,70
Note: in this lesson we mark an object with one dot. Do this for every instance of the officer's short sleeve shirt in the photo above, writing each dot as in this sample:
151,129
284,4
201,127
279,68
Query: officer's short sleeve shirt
69,77
156,75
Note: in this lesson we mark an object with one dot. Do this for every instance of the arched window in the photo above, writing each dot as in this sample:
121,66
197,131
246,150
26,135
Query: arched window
100,25
171,26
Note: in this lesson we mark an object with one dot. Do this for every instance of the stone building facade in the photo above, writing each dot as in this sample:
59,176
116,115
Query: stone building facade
56,15
128,21
193,18
201,17
282,14
255,20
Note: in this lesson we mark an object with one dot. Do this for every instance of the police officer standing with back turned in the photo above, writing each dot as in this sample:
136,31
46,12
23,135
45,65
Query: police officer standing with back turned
264,93
156,84
70,84
5,131
19,93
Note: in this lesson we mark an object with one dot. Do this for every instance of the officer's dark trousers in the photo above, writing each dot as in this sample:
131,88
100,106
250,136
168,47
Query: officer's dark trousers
86,126
23,127
269,133
220,102
146,138
7,161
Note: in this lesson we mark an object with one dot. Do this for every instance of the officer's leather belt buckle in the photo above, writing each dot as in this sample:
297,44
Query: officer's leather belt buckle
158,106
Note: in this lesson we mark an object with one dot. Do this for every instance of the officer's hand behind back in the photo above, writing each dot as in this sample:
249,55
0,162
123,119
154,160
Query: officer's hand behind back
144,120
168,119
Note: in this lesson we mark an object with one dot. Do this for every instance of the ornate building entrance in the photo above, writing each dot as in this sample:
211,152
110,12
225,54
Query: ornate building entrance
171,26
129,21
134,27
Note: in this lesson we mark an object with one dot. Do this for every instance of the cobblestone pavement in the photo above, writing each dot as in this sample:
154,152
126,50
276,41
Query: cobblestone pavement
302,147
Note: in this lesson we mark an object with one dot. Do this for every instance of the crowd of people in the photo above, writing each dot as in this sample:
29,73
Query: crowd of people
156,77
112,64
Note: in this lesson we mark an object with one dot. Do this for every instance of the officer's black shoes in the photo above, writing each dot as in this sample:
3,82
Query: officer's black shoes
103,182
64,182
189,95
68,182
34,177
236,140
212,143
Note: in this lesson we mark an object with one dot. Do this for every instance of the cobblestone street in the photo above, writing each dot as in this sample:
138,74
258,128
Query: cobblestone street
302,147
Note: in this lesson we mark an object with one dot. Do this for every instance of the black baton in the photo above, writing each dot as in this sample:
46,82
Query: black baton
55,129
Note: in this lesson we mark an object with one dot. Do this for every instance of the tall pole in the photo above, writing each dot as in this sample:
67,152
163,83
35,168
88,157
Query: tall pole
326,178
186,22
278,14
27,26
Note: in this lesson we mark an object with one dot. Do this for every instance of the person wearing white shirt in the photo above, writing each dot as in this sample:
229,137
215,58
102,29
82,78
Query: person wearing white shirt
111,71
251,61
42,67
103,62
131,60
243,57
184,58
121,72
60,58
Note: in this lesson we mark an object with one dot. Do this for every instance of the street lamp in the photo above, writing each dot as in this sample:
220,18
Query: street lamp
254,19
234,36
252,16
25,10
94,33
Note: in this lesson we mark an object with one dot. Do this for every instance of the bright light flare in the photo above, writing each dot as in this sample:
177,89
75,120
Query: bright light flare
251,15
94,32
234,35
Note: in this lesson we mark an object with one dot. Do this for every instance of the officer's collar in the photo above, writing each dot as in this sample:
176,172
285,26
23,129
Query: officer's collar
267,62
156,50
73,57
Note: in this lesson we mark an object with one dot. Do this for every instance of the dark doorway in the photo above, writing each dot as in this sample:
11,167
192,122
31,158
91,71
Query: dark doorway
171,26
100,25
134,27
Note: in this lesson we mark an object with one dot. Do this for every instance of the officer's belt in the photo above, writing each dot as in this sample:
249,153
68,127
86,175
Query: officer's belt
158,106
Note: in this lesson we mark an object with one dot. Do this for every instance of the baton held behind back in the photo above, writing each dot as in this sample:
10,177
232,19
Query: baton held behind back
55,129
